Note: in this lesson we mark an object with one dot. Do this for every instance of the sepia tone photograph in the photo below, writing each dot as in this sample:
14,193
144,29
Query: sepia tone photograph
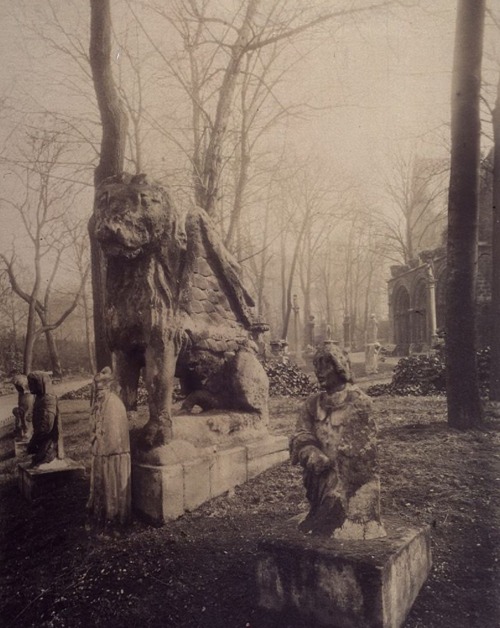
250,314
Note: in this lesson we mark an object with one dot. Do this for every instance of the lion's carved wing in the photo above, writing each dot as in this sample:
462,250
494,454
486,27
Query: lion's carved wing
213,288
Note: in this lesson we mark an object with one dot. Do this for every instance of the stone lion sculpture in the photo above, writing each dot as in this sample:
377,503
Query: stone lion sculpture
174,306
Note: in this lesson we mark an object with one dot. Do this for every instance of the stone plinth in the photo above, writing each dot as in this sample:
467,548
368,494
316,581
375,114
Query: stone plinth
6,425
162,492
344,584
40,481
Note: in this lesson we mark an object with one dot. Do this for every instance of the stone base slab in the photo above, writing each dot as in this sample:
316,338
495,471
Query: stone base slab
40,481
344,584
164,492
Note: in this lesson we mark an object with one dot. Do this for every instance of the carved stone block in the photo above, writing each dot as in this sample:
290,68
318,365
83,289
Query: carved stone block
228,470
344,584
165,490
36,482
196,483
158,491
265,454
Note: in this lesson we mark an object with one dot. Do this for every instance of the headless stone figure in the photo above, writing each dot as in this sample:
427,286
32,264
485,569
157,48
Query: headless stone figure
335,443
23,413
46,443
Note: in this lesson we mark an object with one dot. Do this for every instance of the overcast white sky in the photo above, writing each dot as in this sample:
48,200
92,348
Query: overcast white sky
388,78
380,85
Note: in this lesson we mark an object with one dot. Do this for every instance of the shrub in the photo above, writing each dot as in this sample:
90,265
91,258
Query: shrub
288,380
423,375
85,393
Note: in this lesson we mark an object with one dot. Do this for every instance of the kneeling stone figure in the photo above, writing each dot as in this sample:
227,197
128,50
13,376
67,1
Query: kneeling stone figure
335,443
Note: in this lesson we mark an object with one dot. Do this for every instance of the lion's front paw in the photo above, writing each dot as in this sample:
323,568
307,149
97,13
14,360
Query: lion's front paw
152,435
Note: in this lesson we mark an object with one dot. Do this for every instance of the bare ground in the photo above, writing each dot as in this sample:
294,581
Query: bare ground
199,570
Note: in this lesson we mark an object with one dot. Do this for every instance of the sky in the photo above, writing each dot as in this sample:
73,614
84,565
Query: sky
389,84
378,86
387,79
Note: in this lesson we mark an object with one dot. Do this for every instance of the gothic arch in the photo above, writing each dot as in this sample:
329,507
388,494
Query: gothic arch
420,315
401,310
441,299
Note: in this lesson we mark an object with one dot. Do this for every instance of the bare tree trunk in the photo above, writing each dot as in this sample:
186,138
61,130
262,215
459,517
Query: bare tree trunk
495,279
291,276
55,362
464,405
29,342
263,265
114,132
244,166
283,280
31,332
88,332
213,156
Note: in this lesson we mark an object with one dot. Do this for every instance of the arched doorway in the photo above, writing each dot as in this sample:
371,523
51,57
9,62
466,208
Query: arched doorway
402,321
441,300
419,322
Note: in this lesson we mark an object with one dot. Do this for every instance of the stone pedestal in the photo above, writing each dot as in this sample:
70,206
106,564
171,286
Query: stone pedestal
6,425
43,480
162,492
344,584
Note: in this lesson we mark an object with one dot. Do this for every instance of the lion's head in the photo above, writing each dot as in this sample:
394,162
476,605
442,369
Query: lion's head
134,215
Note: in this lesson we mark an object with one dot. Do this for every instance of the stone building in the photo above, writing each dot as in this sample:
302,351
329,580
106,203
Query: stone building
417,291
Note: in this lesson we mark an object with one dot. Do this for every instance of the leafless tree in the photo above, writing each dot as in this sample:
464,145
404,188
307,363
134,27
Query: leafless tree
42,212
227,78
495,279
112,151
416,190
464,406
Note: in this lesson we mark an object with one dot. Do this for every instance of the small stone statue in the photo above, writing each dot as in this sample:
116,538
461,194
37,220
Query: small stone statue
372,330
110,487
335,443
372,351
23,413
46,443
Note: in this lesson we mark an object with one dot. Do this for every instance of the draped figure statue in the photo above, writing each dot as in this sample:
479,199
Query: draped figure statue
110,488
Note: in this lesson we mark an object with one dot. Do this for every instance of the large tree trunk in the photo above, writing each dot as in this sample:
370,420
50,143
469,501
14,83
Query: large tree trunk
114,133
88,332
464,405
495,279
29,342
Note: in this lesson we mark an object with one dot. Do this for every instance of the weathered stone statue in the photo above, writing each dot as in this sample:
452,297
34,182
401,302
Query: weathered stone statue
335,443
175,305
214,380
23,413
372,329
372,352
46,443
110,487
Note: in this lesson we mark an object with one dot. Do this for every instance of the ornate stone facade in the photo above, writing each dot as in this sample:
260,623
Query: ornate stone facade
417,291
